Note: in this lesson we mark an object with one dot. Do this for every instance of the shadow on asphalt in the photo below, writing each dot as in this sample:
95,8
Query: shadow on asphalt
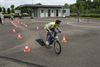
41,42
20,61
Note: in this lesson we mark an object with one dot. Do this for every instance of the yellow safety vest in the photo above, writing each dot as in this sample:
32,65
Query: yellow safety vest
52,25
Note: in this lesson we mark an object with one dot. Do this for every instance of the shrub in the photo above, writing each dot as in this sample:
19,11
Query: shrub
85,15
16,15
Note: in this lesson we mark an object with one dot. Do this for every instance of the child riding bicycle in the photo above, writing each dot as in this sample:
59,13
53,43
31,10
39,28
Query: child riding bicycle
52,29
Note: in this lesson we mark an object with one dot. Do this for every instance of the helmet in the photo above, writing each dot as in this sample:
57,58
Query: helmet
58,21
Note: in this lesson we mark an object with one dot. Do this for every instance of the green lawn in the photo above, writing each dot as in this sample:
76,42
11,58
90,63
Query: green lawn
91,18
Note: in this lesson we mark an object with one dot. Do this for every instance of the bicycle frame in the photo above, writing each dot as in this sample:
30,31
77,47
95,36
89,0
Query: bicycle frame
56,43
54,38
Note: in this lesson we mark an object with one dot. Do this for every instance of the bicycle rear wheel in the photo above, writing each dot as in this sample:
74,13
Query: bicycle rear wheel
57,47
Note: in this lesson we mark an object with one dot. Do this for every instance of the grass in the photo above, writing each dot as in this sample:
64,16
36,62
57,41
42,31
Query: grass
95,18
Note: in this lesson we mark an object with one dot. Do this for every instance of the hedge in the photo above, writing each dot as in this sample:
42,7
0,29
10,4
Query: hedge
6,15
90,15
16,15
85,15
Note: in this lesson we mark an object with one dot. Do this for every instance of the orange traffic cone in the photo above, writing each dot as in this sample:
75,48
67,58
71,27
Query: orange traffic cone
64,39
19,36
27,49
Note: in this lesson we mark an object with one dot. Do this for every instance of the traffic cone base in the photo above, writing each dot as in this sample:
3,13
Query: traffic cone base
27,49
19,37
64,39
14,30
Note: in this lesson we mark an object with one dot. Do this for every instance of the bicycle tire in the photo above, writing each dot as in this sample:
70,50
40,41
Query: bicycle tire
57,43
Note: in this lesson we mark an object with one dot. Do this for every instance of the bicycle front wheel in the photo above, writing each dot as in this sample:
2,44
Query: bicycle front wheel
57,47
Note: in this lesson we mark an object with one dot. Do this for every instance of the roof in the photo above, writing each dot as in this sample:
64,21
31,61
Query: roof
41,6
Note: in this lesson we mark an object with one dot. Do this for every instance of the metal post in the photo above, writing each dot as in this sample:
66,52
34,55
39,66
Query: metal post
78,12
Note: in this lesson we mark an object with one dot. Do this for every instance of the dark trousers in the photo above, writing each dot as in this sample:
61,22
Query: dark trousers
50,35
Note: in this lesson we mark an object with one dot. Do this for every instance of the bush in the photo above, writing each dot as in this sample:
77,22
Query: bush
73,14
6,15
16,15
25,15
22,15
85,15
90,15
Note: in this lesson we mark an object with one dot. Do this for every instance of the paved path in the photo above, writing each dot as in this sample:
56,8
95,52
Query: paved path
81,50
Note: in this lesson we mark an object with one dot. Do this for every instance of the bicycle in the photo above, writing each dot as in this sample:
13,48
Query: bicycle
55,41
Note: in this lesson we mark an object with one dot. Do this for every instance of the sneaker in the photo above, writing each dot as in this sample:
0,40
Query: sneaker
47,43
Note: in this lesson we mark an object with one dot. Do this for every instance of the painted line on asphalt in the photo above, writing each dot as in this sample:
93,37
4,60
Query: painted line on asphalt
20,61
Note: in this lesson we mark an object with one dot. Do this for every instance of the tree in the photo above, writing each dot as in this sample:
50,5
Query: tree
86,6
4,10
73,8
12,8
96,1
66,5
82,8
38,4
8,10
0,9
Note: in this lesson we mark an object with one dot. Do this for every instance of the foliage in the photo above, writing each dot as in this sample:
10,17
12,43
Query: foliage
12,9
16,15
8,11
66,5
25,9
38,4
0,9
7,15
86,6
85,15
4,10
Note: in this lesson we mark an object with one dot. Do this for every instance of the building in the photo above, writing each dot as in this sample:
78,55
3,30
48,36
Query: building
38,10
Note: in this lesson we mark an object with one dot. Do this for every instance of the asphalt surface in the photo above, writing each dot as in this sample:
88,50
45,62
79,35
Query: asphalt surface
81,49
